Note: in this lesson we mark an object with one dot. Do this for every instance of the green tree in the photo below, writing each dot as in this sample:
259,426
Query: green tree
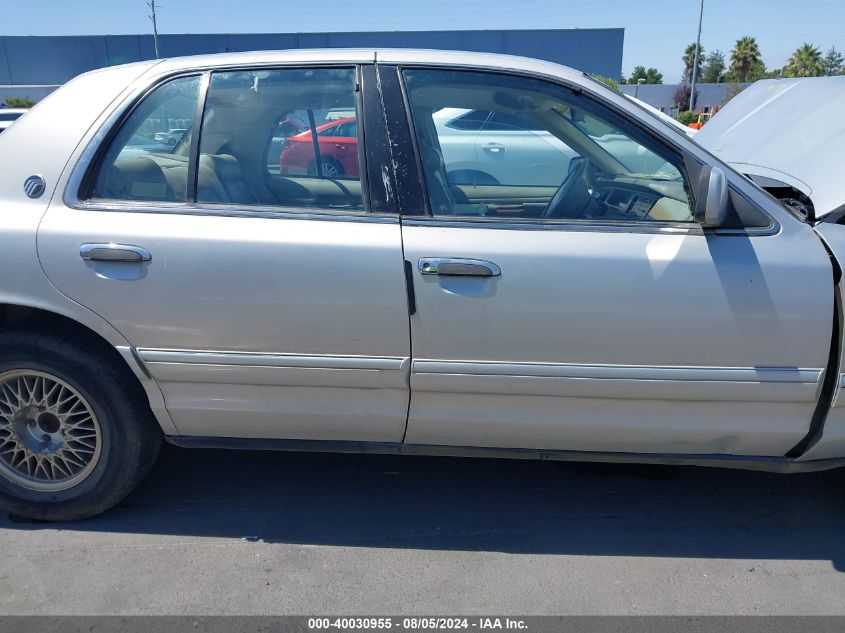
648,75
757,71
745,57
689,59
685,117
19,102
714,68
775,73
610,83
833,61
805,62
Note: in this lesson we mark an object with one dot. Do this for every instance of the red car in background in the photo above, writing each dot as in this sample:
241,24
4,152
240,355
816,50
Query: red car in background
338,143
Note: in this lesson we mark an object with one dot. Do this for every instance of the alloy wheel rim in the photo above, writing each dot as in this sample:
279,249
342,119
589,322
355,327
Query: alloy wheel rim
330,170
50,438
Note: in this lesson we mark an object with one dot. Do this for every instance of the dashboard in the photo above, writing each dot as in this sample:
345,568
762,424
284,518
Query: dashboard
633,199
625,204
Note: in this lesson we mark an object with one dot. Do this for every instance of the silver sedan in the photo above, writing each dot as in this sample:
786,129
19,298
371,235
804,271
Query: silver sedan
637,301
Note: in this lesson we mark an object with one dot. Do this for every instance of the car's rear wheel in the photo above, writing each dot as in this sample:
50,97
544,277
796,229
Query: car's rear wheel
331,168
76,434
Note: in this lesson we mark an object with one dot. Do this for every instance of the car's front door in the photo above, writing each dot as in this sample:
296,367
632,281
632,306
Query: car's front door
264,304
604,318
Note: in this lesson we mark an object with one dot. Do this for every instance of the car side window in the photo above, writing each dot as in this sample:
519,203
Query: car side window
507,122
148,159
467,119
502,146
268,139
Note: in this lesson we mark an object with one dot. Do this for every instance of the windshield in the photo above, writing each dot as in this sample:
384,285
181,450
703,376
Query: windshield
634,157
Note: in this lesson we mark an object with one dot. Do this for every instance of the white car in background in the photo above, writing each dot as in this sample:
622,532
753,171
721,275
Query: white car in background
494,147
171,137
9,116
490,148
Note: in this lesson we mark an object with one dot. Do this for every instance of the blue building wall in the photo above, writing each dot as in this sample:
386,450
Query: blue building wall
38,60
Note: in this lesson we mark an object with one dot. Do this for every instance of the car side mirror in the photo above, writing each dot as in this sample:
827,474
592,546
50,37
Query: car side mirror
712,204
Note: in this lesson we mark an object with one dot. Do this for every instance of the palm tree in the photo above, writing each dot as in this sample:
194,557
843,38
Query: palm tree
689,56
805,62
744,57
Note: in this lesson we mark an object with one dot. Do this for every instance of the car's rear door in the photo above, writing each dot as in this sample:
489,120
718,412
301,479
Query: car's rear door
265,305
607,320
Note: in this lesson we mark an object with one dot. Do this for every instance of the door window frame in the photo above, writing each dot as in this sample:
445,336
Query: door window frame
370,128
402,130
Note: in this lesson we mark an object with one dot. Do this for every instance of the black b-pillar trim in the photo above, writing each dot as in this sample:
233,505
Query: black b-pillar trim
381,183
403,153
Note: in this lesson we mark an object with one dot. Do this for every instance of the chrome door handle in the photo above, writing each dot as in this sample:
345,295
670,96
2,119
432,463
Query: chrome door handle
493,148
114,253
453,267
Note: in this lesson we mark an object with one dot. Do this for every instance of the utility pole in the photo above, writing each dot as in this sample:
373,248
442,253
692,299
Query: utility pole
152,5
695,60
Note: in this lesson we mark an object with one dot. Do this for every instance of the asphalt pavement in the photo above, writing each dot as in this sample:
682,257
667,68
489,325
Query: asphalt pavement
232,532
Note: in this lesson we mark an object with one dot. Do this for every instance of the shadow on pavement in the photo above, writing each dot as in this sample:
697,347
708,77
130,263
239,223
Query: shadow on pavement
483,505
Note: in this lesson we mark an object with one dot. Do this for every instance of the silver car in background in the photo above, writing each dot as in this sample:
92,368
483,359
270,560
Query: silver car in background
634,300
496,147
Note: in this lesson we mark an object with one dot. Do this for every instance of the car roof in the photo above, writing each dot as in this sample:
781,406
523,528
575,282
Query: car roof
368,55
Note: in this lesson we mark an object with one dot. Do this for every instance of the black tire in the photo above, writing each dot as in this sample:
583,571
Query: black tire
331,168
130,436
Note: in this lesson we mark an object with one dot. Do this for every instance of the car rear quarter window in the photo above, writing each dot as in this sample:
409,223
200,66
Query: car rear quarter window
472,120
148,158
490,121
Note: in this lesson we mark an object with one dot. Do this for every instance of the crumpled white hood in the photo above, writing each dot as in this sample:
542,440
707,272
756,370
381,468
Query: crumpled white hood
790,130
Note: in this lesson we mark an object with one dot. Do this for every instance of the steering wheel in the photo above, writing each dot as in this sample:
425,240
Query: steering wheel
572,197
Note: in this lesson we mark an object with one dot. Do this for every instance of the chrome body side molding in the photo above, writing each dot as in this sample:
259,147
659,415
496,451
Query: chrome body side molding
290,370
314,361
737,384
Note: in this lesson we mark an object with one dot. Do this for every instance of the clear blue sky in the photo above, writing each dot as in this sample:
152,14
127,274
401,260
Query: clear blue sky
656,31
